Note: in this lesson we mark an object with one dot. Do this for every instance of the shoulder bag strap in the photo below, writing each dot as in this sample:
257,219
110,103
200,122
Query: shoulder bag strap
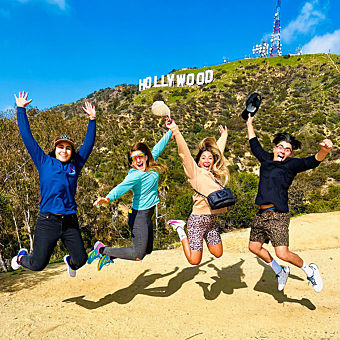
197,192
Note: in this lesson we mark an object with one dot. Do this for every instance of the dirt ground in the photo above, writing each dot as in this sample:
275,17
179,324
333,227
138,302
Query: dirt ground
163,297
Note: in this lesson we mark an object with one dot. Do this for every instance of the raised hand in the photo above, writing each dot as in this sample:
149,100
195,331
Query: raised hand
326,145
21,100
250,119
170,123
90,110
101,200
223,130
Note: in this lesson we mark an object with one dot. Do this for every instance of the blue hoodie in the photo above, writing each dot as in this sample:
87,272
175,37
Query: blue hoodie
58,181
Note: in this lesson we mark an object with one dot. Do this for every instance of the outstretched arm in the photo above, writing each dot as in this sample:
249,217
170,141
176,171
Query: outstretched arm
86,148
251,131
118,191
160,146
222,141
311,162
190,166
255,145
36,153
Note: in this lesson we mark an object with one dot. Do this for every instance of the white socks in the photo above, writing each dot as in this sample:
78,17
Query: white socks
181,233
275,266
178,225
308,270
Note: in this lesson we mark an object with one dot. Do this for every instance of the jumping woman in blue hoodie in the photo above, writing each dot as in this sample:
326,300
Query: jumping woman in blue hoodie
58,174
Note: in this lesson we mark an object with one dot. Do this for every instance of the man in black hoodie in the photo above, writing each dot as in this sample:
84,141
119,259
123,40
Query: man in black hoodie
271,223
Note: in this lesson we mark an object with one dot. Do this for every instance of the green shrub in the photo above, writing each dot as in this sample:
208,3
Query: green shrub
319,118
183,207
244,186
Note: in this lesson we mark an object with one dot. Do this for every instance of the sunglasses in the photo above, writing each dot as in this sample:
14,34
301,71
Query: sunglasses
135,157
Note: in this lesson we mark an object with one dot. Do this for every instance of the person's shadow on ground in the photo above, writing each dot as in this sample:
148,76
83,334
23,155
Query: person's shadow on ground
227,279
126,295
268,284
176,282
122,296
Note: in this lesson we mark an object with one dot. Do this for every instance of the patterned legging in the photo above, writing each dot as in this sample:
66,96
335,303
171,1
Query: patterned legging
202,227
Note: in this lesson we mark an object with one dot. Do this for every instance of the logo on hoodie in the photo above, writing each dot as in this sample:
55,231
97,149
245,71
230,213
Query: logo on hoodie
72,171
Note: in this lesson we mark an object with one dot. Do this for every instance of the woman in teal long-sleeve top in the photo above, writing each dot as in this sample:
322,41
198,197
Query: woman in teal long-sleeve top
142,180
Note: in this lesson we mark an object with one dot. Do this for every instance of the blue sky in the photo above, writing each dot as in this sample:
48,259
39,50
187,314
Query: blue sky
63,50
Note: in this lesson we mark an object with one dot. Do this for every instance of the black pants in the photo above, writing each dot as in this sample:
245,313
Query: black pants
140,223
48,230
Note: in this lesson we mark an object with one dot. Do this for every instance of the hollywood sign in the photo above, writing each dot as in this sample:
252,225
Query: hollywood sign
184,79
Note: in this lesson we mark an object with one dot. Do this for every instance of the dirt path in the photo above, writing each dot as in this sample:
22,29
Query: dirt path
163,297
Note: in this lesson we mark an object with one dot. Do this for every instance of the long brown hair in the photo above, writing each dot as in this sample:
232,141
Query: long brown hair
220,163
150,162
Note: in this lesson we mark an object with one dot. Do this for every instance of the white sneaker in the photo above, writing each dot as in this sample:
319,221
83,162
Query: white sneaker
282,277
176,224
315,279
70,271
14,263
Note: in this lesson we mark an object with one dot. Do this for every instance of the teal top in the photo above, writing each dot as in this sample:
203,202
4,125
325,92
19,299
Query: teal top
143,184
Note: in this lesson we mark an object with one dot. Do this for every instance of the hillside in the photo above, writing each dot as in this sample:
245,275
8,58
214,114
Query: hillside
300,95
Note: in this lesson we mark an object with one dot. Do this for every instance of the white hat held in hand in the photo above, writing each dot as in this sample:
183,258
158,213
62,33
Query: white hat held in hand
159,108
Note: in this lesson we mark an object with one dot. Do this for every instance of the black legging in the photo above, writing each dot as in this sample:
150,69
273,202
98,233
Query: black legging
48,230
140,223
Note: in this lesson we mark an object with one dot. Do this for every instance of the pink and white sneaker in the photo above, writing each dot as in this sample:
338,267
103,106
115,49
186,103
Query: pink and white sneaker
176,224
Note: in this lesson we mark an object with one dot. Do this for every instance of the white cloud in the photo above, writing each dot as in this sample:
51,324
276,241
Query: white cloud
309,17
60,3
324,43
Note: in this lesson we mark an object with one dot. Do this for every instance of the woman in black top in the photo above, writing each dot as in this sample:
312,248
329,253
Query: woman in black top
277,172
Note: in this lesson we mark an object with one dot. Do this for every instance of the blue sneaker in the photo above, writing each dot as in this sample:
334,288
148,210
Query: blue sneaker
15,263
105,260
95,254
71,272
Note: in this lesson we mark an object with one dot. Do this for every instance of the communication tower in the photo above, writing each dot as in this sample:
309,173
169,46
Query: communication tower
275,48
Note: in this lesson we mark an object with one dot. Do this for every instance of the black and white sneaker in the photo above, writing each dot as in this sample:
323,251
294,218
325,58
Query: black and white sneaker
71,272
315,279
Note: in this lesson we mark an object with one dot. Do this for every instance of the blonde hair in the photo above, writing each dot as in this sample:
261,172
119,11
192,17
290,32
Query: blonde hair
220,168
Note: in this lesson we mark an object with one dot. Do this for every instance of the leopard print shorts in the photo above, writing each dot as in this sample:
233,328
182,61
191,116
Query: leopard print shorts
270,225
202,227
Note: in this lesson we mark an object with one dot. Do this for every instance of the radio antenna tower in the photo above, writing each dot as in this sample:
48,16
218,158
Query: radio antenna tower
275,48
